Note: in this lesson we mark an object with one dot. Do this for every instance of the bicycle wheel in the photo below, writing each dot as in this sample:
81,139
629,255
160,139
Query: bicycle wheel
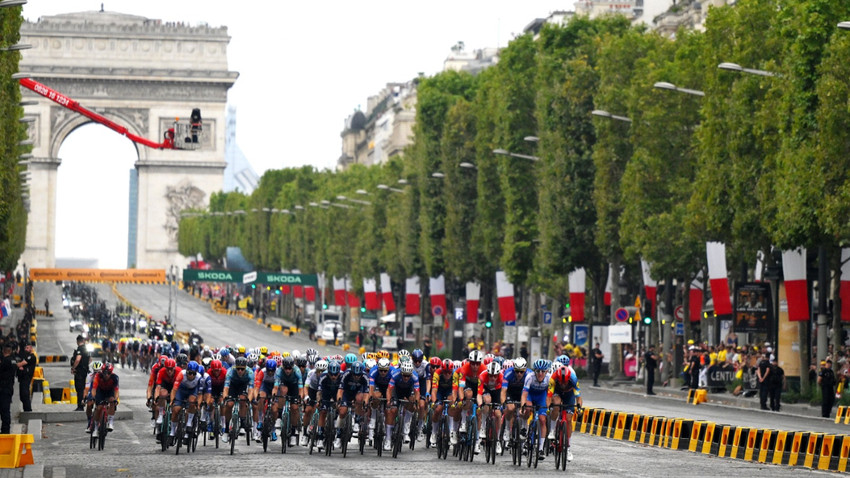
284,428
330,431
565,444
501,436
493,438
516,444
379,432
204,425
445,436
472,437
164,429
101,437
216,423
559,429
531,442
414,429
234,427
536,446
314,423
92,438
428,428
249,426
181,429
345,434
266,429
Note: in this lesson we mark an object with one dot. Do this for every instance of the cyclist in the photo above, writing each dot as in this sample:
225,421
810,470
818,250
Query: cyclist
423,371
349,359
151,384
515,379
328,394
217,376
289,383
164,383
238,385
312,389
379,381
264,384
534,393
440,389
465,386
87,396
492,389
354,387
403,385
564,390
105,385
188,386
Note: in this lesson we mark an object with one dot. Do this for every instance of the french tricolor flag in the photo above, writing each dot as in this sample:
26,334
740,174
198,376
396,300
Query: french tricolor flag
844,290
649,284
578,282
473,295
609,285
437,288
716,252
695,296
796,287
353,300
411,296
505,293
387,292
298,291
339,291
310,293
370,290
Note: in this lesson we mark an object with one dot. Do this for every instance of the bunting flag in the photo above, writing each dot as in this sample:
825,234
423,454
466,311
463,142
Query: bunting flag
473,295
650,285
844,290
437,289
609,285
353,300
387,292
298,291
578,282
285,289
370,291
411,296
339,291
796,287
695,296
310,293
505,293
716,252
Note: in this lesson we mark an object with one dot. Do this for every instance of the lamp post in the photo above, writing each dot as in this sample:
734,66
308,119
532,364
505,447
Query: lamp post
605,114
504,152
736,67
664,85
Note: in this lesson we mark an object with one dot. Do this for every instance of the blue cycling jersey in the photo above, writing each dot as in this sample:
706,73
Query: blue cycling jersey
378,380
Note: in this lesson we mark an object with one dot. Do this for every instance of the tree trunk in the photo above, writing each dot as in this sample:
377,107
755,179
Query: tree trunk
615,362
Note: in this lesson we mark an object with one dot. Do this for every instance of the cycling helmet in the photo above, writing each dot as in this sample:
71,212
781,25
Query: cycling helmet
520,363
162,359
493,368
170,363
384,363
321,366
206,348
224,352
264,350
369,364
301,362
251,363
556,366
240,348
372,355
406,368
95,366
182,360
405,358
350,358
487,360
435,362
271,365
357,368
253,357
490,357
337,357
312,351
476,356
106,367
417,355
241,362
403,353
448,364
206,361
192,367
288,362
563,359
296,353
333,368
507,364
286,354
539,365
384,354
312,359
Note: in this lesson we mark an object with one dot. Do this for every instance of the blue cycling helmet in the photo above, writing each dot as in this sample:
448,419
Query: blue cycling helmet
333,368
357,368
500,360
350,358
540,364
201,370
563,359
271,365
224,352
192,367
417,355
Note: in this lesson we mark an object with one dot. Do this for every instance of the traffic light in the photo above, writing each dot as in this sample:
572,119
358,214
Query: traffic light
647,312
253,286
277,291
488,323
325,306
362,309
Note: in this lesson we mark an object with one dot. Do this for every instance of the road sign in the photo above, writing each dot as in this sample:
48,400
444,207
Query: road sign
680,328
249,277
621,314
437,310
637,302
581,334
679,312
547,318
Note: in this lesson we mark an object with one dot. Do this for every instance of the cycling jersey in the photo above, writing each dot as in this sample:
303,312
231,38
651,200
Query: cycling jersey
237,385
89,380
166,381
441,383
401,386
264,381
313,380
492,384
380,381
154,372
187,387
292,381
351,385
537,390
515,382
467,376
424,373
104,387
564,383
217,382
329,386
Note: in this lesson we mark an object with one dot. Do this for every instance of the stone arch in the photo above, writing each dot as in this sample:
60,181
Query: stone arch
62,125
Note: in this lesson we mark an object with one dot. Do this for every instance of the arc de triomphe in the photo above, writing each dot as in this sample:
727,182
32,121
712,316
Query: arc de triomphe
142,74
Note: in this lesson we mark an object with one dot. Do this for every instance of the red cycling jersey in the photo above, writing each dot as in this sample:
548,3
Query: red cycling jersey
154,371
491,383
105,384
467,374
163,379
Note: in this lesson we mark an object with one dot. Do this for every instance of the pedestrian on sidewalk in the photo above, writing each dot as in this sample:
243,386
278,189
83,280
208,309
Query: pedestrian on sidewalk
8,368
826,380
650,361
596,357
27,362
79,369
764,378
46,307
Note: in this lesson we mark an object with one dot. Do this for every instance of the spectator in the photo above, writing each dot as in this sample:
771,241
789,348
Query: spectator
763,375
596,357
46,307
826,380
650,363
523,351
336,333
426,346
777,383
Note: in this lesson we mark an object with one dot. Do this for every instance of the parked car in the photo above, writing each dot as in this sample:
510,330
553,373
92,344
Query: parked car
328,330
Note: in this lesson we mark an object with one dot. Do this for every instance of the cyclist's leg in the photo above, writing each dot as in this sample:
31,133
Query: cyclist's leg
192,408
260,409
553,417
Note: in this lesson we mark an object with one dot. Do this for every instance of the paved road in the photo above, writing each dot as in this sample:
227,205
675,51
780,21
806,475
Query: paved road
132,452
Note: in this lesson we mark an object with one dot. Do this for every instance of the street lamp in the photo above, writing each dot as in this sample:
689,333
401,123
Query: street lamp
605,114
467,165
438,175
844,25
384,187
664,85
504,152
736,67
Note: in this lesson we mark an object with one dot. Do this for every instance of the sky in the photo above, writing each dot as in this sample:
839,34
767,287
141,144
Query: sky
303,68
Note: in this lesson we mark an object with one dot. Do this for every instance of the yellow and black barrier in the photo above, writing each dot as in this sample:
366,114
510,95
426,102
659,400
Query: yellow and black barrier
52,358
808,449
842,415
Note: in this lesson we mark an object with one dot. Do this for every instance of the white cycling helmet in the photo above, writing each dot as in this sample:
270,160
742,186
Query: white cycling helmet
476,356
322,366
370,363
406,368
520,363
493,368
384,364
403,353
295,353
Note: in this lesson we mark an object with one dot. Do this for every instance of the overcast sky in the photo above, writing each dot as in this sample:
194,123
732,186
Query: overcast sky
303,68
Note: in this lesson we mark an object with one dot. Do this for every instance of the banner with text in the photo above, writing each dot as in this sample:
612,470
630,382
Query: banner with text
99,275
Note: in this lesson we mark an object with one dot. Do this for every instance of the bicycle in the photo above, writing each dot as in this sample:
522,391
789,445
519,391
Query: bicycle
380,431
468,438
330,429
102,430
215,417
490,434
515,440
236,423
285,418
414,428
269,417
164,428
181,430
312,430
398,431
561,444
345,433
443,432
532,441
428,428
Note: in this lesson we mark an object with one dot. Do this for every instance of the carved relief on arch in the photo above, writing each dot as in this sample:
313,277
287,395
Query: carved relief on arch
181,196
64,121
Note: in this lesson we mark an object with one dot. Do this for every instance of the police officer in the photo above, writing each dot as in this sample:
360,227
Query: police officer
826,380
26,369
80,368
8,369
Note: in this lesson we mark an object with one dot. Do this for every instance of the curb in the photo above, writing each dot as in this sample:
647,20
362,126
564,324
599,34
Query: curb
67,416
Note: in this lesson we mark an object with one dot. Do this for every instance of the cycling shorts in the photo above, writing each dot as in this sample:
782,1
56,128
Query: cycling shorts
539,400
443,395
495,395
234,392
183,395
267,388
568,399
216,391
311,394
101,395
348,398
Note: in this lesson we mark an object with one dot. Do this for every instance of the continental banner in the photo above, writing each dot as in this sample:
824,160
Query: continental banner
154,276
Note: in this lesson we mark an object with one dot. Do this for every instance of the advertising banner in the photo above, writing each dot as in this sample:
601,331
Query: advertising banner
151,276
752,307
